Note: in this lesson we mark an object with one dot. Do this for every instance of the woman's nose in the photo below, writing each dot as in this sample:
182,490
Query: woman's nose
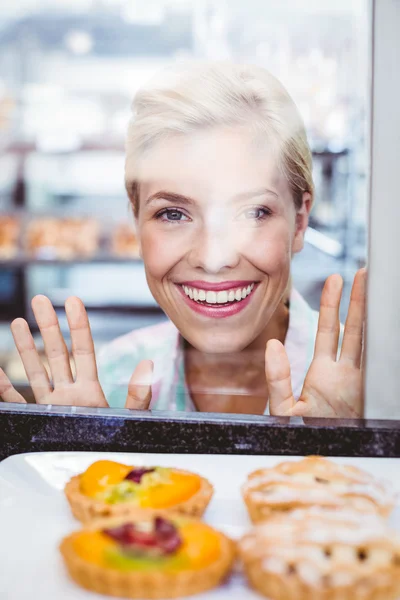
214,249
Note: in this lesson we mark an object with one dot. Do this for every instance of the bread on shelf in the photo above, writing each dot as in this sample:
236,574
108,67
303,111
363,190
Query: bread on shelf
64,239
10,229
124,242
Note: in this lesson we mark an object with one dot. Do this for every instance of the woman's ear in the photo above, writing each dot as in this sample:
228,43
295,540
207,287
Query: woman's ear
302,216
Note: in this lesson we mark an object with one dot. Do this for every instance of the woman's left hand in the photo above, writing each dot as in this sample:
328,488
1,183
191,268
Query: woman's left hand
332,387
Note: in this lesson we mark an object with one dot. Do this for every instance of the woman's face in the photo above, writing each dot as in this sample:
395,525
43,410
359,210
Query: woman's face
217,227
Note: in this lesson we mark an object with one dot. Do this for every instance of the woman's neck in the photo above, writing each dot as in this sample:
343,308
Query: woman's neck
235,382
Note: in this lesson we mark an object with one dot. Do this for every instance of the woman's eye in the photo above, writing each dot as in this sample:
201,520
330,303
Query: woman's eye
172,215
257,213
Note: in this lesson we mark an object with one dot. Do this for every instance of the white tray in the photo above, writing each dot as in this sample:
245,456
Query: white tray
34,514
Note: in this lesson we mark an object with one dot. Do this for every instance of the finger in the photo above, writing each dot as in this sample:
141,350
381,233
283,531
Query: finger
81,340
54,344
7,392
327,339
34,367
139,387
354,327
277,372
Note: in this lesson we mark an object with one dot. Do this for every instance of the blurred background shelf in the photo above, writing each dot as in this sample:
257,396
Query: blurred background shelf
24,260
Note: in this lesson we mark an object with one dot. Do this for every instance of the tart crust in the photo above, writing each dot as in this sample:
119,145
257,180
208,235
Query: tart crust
85,508
319,554
140,584
314,481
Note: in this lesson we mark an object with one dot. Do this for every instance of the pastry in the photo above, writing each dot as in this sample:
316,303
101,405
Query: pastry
148,557
124,242
62,239
9,236
314,481
320,554
108,488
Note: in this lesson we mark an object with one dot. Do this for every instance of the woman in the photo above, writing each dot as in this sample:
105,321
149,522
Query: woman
219,175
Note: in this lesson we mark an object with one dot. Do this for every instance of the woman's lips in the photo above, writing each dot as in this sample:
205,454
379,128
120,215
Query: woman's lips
217,287
218,311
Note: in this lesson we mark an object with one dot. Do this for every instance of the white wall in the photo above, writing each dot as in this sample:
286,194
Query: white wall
383,337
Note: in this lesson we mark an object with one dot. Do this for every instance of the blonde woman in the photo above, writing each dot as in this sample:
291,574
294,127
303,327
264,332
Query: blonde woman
219,174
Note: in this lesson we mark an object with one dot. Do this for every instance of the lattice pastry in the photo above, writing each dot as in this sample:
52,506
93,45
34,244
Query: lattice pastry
320,554
314,481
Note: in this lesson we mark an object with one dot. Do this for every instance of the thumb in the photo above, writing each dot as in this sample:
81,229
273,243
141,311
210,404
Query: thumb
277,372
139,386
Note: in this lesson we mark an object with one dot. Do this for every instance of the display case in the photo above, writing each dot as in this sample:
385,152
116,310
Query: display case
66,227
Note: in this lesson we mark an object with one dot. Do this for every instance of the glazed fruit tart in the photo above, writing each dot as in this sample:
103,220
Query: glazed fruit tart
314,481
109,488
320,554
151,557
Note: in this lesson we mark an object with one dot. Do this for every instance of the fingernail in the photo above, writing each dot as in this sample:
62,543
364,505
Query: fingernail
18,326
72,308
40,306
337,283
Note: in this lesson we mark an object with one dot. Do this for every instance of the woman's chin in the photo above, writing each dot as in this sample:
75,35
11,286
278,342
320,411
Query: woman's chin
211,344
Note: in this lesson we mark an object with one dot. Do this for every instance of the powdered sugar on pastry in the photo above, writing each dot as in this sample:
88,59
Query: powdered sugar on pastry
314,481
323,550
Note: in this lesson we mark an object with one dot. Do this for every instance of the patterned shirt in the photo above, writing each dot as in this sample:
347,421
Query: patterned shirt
163,344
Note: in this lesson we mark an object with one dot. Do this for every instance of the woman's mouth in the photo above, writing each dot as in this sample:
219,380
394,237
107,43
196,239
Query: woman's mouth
217,302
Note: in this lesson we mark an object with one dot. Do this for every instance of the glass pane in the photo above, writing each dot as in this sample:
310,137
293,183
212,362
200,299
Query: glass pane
68,73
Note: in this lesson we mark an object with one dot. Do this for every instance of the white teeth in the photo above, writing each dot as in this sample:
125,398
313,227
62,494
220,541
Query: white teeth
222,297
212,297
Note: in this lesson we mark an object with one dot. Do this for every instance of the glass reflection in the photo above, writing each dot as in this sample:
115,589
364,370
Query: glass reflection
221,182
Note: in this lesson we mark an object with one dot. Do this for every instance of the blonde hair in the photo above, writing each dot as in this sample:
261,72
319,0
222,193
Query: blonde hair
204,95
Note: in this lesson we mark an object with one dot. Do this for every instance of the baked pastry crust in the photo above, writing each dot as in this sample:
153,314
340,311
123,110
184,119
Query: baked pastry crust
320,554
62,238
144,584
84,508
314,481
124,241
10,230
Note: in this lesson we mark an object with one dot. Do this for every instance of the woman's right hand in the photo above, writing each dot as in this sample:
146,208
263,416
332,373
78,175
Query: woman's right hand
63,389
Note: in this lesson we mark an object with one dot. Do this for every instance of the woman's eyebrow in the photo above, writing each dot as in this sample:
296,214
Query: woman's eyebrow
170,197
254,193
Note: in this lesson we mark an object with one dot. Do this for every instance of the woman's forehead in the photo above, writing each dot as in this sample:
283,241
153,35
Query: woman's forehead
220,162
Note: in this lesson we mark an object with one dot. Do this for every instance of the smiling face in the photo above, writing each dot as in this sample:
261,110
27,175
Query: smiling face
217,227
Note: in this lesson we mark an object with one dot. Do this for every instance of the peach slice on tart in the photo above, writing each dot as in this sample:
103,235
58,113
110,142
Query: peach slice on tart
148,557
109,488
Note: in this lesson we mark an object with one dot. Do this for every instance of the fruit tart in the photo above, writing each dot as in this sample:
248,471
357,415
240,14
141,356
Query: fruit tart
323,554
148,557
314,481
109,488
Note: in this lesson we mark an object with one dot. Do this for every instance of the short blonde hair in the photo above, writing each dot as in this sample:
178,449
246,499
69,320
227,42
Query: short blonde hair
203,95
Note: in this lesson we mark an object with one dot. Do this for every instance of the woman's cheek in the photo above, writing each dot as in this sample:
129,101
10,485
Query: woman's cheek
161,251
272,251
